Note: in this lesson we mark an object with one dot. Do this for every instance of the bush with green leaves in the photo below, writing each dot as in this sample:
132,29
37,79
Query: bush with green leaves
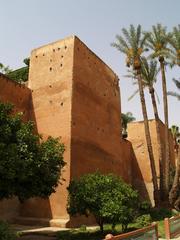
107,197
143,220
5,232
145,207
158,214
29,167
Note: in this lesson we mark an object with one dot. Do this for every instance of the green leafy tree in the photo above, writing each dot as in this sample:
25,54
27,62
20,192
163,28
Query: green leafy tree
29,167
157,41
20,75
107,197
4,69
132,45
6,232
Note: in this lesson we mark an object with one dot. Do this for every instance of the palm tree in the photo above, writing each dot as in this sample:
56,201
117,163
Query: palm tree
175,94
149,72
174,41
158,42
132,45
125,119
176,136
173,194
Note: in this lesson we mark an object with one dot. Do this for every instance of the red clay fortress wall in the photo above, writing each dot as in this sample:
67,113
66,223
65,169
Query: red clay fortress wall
74,95
17,94
96,127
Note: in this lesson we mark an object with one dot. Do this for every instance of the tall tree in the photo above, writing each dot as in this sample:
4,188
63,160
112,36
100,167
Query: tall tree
132,45
149,72
174,193
157,41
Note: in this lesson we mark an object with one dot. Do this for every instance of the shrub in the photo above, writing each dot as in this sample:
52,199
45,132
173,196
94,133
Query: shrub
144,220
107,197
145,207
158,214
5,232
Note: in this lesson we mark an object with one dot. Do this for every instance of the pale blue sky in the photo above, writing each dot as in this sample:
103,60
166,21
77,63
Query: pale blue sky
29,24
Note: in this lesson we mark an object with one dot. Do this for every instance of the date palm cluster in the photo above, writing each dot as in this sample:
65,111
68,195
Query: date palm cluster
148,53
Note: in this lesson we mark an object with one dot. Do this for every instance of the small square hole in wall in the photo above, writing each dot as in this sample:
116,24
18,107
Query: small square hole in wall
59,48
54,50
50,69
36,56
65,47
62,103
43,54
50,86
62,56
61,65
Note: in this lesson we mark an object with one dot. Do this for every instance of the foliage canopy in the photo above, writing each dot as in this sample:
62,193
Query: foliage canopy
29,167
107,197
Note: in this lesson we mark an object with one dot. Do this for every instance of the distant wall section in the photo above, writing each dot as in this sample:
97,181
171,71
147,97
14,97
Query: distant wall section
141,170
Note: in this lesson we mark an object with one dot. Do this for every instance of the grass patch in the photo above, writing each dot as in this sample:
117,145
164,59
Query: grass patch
95,234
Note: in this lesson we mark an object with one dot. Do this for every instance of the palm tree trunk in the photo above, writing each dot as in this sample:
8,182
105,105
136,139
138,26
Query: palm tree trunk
148,139
173,194
151,91
166,163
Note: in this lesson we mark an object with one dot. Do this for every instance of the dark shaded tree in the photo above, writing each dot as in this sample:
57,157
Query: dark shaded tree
29,166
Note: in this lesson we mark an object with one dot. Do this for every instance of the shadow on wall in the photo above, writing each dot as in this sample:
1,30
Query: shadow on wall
138,180
35,210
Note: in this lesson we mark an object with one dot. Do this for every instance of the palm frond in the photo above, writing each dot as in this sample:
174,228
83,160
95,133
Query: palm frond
177,83
174,94
134,94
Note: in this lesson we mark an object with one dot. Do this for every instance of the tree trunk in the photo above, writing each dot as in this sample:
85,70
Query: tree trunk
99,221
151,91
166,163
148,139
173,194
